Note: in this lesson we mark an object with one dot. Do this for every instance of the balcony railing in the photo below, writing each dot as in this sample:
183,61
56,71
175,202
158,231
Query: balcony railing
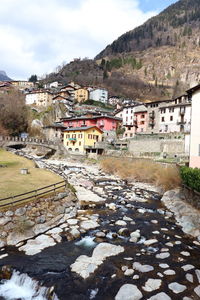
72,139
181,122
152,115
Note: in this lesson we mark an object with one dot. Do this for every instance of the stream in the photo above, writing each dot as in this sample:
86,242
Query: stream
133,217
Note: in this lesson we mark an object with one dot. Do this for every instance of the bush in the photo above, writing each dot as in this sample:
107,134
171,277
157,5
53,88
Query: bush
191,177
167,177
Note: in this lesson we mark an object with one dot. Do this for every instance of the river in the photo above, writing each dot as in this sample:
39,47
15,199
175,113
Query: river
160,251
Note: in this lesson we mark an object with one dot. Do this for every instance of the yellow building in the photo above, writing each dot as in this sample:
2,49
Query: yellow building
81,95
83,139
22,84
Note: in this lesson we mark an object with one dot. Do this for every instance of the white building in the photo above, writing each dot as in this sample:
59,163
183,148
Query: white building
126,114
99,95
176,117
39,98
194,95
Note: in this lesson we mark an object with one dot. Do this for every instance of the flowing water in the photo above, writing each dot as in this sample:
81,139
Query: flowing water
51,267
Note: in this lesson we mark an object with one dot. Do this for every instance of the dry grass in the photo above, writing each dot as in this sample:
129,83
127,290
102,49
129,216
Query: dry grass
13,183
167,177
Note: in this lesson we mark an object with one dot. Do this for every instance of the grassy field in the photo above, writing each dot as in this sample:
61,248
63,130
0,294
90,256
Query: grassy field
167,177
13,183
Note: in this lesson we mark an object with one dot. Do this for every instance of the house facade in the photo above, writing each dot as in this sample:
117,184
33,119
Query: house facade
81,95
39,98
99,94
82,139
137,122
194,95
105,123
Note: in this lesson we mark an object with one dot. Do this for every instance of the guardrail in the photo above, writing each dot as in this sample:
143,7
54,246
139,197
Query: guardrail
26,140
35,194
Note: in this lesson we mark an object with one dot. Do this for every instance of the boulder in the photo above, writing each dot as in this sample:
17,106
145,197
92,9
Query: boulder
128,292
85,265
87,197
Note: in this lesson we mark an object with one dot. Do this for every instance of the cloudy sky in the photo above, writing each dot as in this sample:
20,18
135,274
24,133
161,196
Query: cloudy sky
38,35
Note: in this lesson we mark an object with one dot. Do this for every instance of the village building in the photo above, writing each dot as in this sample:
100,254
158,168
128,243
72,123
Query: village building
22,84
81,95
194,96
61,99
83,140
108,124
39,98
138,124
99,94
154,115
114,100
54,132
176,117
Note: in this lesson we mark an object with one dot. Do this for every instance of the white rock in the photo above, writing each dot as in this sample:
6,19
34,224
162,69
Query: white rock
152,285
72,222
4,220
87,225
187,267
87,197
75,233
164,266
134,236
169,272
135,277
120,223
185,253
197,290
198,274
142,268
85,265
189,277
37,245
176,287
160,296
127,219
128,292
150,242
129,272
169,244
163,255
111,206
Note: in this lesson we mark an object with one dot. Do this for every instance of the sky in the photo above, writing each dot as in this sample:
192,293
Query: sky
39,35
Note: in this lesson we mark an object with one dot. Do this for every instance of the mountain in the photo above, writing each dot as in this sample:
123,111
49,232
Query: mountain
3,76
157,60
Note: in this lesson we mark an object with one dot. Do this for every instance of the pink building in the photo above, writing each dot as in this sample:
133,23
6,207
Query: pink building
105,123
139,124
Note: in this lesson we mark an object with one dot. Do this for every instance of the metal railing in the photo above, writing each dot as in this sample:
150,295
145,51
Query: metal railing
33,194
26,140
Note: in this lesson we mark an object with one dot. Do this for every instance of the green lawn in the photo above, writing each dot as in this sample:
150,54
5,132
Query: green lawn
13,183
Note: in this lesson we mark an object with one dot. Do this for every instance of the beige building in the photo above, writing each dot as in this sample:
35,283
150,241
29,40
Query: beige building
81,95
39,98
22,84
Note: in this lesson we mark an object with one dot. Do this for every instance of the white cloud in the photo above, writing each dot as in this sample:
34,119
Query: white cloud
38,35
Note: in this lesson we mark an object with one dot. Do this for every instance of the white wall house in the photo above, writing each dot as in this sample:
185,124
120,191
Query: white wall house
194,95
126,114
175,118
39,98
99,95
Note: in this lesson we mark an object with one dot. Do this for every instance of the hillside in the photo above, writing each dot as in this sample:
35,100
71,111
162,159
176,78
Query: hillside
157,60
3,76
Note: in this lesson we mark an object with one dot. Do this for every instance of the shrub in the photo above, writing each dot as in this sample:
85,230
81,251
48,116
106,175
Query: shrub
191,177
167,177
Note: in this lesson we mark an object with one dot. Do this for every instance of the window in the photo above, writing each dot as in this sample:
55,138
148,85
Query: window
142,122
142,116
129,128
163,119
79,143
171,118
73,136
163,111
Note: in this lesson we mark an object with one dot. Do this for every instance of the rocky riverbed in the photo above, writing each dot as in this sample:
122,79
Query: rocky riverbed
120,243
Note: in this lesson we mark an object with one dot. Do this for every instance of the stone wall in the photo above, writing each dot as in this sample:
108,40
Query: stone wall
159,146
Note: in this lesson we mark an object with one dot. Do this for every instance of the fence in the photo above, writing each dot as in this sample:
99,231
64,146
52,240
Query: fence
35,194
26,140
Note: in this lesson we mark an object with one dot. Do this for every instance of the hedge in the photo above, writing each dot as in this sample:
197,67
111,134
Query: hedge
191,177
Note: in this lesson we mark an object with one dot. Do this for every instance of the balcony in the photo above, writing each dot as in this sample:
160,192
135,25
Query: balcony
151,123
152,115
182,122
72,139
